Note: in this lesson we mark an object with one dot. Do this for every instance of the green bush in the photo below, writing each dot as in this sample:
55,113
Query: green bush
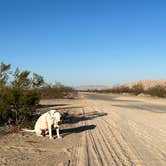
6,98
28,101
20,94
18,97
57,91
17,105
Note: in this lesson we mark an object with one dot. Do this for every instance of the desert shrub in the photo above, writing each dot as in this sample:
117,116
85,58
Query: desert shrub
117,89
21,79
17,105
5,104
120,89
18,98
159,91
37,81
57,91
137,89
4,74
20,94
28,102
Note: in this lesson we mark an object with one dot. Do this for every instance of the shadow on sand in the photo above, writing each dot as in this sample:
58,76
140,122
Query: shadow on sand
50,105
42,108
69,119
68,131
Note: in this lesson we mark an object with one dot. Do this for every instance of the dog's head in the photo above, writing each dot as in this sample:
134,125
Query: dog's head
56,116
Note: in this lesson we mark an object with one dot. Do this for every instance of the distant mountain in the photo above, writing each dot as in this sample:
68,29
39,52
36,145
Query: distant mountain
147,83
92,87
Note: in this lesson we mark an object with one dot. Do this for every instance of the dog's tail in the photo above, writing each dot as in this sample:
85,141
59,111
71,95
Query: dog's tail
32,131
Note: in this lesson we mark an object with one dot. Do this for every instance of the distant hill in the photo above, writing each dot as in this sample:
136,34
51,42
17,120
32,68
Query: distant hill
147,83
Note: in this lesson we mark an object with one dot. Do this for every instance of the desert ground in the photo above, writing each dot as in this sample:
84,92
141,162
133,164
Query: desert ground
100,129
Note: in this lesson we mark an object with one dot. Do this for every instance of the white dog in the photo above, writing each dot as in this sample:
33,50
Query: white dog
45,123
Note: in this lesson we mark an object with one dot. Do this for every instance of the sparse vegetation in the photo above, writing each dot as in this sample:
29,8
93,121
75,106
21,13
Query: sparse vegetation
20,93
18,98
137,89
158,90
57,91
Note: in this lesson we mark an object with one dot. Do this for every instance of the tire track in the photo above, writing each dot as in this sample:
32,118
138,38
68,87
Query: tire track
125,151
113,144
122,137
102,147
93,153
106,145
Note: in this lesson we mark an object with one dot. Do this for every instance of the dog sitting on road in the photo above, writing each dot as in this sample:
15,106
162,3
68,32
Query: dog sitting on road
45,123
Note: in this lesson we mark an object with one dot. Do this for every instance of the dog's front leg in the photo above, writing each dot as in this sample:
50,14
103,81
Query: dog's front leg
50,131
57,132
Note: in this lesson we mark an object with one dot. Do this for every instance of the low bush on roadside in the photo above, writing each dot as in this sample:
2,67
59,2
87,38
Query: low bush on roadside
17,106
6,98
159,91
137,89
20,93
117,89
120,89
57,91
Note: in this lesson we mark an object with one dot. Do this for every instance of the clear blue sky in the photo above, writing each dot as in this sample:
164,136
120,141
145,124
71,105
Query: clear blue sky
82,42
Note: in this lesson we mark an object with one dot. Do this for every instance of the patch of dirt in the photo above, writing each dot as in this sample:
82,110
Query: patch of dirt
117,130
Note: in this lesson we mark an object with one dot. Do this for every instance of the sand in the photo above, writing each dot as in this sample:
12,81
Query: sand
123,130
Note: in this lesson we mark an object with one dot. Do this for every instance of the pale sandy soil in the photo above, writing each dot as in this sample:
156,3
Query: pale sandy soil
104,130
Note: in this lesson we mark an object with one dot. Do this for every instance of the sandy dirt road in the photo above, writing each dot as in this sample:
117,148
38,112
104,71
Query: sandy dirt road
132,131
102,130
